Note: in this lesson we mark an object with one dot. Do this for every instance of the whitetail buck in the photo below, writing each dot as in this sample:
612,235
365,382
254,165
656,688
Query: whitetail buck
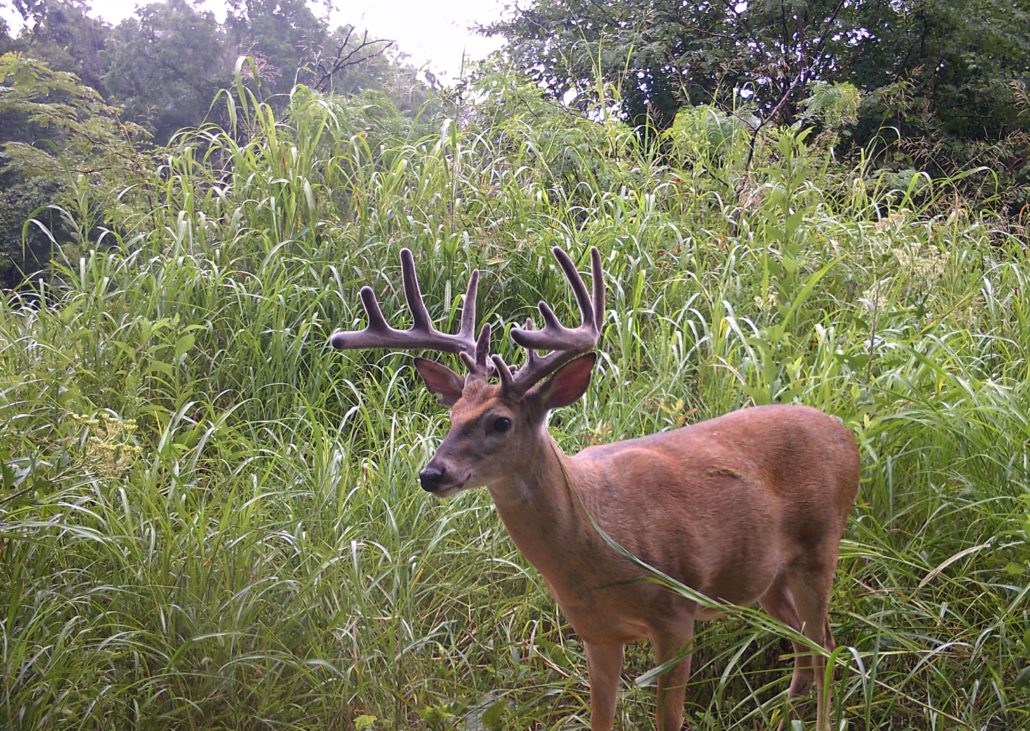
748,507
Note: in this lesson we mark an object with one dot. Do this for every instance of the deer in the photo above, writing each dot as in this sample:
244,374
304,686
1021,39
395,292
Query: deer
748,507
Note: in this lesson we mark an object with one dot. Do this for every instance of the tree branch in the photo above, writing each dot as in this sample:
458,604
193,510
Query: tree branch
785,97
343,60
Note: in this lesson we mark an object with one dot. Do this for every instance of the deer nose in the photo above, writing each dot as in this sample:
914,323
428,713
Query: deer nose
431,477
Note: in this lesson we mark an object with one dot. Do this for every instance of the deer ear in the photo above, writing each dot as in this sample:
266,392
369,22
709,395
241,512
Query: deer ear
566,385
441,380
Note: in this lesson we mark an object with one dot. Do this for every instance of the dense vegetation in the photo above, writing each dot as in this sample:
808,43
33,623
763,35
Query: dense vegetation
944,84
935,87
152,75
210,520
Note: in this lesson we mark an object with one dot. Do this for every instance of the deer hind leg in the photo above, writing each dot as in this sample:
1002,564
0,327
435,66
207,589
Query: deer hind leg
672,685
604,663
809,585
778,601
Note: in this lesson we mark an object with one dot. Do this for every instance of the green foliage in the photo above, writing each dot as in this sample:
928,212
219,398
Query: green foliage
948,78
73,151
707,139
209,519
566,155
952,94
666,54
74,116
278,33
60,135
834,106
62,34
165,64
291,46
25,249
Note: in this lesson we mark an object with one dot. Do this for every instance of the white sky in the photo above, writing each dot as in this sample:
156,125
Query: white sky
431,33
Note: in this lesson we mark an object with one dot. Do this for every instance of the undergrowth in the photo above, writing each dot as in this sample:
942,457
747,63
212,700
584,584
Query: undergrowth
210,520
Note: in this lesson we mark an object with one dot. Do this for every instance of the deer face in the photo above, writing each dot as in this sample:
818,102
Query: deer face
494,435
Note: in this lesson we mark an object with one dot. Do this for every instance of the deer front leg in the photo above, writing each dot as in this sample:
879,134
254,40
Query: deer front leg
672,685
604,663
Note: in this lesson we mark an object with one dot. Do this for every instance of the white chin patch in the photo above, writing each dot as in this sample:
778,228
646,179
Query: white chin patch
448,492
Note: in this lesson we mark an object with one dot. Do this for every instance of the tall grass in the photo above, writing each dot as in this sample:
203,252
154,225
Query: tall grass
209,520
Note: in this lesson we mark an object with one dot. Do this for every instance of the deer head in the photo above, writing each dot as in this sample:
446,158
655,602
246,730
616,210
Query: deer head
497,412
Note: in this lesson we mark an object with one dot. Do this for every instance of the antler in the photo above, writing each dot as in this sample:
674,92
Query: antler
563,343
378,333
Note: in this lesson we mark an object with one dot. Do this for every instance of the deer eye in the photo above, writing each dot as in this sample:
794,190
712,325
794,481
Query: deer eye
502,424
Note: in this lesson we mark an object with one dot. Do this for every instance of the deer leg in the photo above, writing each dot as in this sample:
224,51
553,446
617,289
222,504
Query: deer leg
673,684
779,603
810,587
828,642
604,662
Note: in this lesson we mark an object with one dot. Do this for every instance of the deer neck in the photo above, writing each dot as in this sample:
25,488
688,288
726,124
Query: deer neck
542,509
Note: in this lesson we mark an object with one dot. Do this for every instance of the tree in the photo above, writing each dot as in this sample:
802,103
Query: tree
949,76
282,36
665,53
62,33
950,70
6,40
291,45
165,65
64,146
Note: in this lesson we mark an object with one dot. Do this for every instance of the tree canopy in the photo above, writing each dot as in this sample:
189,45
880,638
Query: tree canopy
947,75
160,69
163,64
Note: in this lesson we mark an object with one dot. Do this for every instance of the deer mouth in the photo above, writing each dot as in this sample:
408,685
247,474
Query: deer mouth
451,488
445,492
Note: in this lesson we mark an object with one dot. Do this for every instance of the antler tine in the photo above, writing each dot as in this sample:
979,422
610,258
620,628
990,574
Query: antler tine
477,364
597,278
468,308
531,354
413,294
421,334
503,373
578,287
371,304
563,343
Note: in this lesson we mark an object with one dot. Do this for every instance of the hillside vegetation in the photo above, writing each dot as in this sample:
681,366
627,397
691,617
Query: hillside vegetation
209,519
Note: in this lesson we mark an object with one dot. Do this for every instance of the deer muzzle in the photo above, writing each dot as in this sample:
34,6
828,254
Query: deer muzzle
432,477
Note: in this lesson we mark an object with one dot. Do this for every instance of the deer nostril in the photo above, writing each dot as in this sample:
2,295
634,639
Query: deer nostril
431,477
